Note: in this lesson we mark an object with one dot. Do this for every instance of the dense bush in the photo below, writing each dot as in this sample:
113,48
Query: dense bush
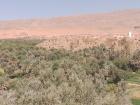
37,76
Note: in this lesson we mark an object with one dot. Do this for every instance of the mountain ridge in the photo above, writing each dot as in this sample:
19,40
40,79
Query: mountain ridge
118,22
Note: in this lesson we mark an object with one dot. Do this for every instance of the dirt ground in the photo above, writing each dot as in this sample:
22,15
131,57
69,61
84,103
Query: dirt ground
134,90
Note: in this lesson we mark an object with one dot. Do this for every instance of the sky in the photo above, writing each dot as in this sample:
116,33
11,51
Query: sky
27,9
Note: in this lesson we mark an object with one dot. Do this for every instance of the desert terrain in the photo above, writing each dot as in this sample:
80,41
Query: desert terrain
82,31
114,23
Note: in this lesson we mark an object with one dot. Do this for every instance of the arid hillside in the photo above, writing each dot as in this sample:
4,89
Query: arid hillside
120,22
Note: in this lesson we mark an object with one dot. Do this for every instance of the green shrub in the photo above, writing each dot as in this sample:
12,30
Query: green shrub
136,102
2,72
122,63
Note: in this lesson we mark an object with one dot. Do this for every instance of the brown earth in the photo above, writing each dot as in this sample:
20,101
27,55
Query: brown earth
134,90
77,32
115,23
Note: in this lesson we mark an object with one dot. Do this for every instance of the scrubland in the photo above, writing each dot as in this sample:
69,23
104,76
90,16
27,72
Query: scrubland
94,75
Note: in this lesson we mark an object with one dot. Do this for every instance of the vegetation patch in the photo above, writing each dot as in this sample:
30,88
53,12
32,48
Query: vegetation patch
1,72
134,78
39,76
136,101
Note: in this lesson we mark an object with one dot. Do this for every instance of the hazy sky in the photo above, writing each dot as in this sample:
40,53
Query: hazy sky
19,9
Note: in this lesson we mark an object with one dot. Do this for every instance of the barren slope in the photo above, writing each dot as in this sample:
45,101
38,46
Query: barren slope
119,22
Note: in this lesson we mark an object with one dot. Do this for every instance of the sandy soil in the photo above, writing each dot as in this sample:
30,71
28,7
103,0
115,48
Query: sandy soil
134,90
115,23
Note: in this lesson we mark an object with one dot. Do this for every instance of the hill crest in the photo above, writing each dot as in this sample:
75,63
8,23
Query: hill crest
119,22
